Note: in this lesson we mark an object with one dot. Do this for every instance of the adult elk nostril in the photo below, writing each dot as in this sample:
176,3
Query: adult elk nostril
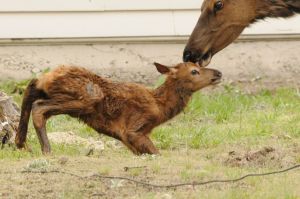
190,56
187,55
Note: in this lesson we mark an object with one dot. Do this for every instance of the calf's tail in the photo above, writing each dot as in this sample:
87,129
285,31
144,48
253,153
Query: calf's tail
30,96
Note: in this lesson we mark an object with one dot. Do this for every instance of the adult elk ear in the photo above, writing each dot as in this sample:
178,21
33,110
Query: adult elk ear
162,68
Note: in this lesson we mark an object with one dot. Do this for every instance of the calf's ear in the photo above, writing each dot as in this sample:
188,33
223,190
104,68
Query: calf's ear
162,68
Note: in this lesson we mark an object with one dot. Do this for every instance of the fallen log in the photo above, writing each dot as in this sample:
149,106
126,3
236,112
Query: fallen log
9,119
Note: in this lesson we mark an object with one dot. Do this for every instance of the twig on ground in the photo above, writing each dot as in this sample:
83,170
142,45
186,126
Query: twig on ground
128,168
139,182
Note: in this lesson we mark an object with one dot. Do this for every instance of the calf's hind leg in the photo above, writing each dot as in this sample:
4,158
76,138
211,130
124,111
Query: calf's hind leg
39,123
44,109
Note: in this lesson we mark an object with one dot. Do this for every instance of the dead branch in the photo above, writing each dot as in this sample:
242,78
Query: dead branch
9,119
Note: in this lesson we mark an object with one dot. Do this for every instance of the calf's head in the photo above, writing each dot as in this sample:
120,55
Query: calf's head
190,76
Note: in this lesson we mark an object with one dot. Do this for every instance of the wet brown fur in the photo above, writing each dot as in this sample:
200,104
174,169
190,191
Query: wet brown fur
217,29
125,111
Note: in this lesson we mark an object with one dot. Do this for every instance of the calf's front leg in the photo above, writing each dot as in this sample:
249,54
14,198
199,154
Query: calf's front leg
139,144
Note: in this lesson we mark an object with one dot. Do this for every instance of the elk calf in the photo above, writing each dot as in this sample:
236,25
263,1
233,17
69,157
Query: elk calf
125,111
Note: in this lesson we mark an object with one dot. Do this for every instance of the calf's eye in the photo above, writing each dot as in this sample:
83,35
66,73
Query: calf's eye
195,72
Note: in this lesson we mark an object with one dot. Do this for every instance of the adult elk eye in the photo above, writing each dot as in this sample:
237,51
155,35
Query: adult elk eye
218,5
195,72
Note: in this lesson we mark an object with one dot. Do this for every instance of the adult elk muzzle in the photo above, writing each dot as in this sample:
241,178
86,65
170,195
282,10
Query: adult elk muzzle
220,23
197,49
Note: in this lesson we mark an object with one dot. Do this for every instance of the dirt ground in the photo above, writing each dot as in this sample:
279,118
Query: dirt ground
74,177
252,65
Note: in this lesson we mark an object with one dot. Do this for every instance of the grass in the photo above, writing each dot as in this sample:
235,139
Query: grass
209,120
229,117
211,125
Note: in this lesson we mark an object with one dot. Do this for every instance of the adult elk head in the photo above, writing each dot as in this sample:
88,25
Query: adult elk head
222,21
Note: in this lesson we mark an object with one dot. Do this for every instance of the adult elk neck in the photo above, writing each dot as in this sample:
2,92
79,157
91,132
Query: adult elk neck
276,8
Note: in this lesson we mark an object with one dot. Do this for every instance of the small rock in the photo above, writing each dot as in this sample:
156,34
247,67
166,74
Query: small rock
166,196
287,136
89,184
90,145
114,144
88,151
256,79
97,145
35,70
63,160
117,183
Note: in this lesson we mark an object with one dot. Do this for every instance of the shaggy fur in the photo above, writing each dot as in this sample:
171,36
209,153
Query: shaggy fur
125,111
277,8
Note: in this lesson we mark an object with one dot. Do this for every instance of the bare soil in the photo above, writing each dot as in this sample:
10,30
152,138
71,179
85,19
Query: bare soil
52,177
250,65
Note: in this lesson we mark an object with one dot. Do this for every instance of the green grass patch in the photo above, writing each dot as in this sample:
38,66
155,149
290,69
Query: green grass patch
210,120
227,117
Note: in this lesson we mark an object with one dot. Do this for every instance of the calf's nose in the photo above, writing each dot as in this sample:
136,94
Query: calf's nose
217,74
